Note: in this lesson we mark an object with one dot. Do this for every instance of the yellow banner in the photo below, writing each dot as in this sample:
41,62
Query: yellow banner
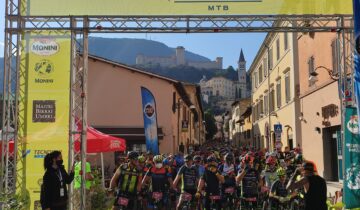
45,105
185,7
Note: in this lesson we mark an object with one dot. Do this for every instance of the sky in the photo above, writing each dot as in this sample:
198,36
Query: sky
212,45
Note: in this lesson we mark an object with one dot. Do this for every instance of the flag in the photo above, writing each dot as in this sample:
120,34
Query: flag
150,120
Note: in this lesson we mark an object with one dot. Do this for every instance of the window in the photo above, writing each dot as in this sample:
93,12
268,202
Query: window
259,111
254,112
335,57
286,41
270,59
287,87
260,74
278,93
256,79
311,67
277,49
266,104
272,100
184,115
265,65
261,106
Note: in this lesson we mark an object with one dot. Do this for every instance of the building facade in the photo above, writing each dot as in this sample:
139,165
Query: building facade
115,105
274,84
237,126
222,87
320,114
179,59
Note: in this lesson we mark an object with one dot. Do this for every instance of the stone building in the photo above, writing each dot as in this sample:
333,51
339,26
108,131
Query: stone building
179,59
222,87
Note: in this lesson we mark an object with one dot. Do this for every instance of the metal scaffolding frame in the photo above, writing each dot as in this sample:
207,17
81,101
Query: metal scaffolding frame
80,26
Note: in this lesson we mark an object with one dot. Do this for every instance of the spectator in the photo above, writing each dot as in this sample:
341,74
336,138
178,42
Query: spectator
182,148
53,190
77,186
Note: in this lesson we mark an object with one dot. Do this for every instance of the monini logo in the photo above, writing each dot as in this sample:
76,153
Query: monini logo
44,68
353,124
45,47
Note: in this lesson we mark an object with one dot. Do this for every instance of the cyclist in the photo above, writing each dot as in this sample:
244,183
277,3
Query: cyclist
278,192
161,181
250,178
127,179
228,170
211,180
189,176
290,168
198,163
269,174
314,185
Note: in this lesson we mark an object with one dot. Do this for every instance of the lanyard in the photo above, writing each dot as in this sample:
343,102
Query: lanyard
59,175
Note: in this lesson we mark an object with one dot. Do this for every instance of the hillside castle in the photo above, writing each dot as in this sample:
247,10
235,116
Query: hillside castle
179,59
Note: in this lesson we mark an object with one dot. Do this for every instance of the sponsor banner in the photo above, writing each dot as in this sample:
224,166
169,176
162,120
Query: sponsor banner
44,108
352,159
150,121
184,7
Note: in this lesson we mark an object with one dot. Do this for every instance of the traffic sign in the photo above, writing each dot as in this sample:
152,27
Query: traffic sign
278,128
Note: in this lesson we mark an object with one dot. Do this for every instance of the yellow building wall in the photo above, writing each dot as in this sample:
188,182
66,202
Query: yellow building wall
285,114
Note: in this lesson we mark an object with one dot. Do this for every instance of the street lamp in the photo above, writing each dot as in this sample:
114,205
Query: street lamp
313,74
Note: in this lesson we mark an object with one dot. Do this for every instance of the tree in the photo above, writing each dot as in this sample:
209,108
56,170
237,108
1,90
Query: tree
210,124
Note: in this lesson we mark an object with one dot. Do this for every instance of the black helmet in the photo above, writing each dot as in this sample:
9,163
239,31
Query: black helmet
197,158
309,166
211,159
299,159
229,157
132,155
187,157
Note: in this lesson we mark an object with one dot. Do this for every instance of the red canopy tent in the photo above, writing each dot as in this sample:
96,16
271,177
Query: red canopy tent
11,147
98,142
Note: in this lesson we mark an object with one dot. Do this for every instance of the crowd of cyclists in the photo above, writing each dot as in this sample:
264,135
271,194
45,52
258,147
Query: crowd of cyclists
219,176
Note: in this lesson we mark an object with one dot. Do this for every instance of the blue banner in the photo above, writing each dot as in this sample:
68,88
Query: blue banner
356,7
352,145
150,121
352,159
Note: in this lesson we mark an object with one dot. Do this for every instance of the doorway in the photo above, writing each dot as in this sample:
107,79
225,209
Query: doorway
330,153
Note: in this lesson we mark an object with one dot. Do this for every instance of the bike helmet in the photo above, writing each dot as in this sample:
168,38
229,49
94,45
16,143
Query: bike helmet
248,158
281,172
288,156
309,166
229,157
211,159
158,159
187,157
132,155
271,160
197,158
299,159
141,159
